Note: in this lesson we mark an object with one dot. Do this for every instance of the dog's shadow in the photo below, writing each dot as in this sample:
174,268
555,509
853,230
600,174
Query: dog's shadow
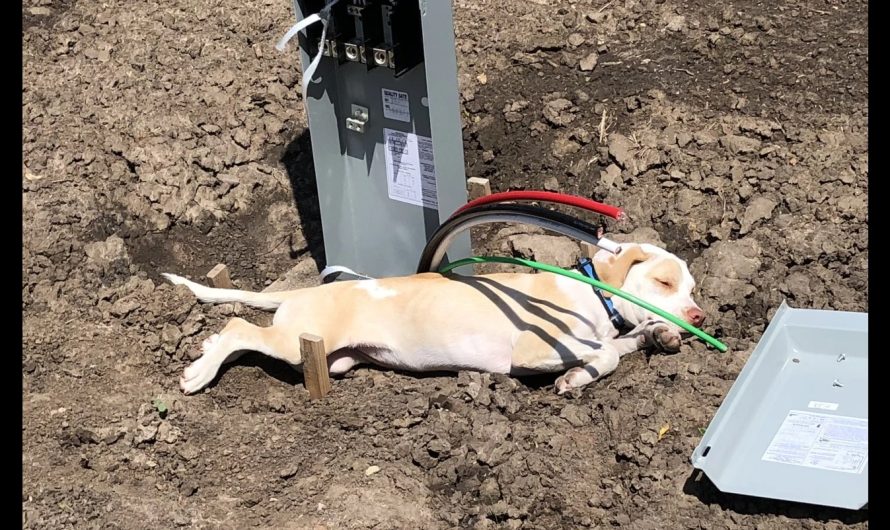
698,485
293,377
274,368
287,374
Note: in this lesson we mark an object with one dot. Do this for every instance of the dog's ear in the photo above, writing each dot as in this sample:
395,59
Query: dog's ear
614,268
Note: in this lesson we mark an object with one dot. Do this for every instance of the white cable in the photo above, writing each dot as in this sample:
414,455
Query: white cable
322,16
608,244
333,269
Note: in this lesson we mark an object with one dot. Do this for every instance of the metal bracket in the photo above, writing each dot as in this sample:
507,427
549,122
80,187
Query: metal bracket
359,118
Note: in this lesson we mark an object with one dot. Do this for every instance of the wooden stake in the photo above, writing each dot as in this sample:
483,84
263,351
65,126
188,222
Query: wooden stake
478,187
219,277
315,365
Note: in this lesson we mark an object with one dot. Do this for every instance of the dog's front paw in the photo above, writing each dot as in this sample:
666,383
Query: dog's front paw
201,372
562,385
665,338
574,378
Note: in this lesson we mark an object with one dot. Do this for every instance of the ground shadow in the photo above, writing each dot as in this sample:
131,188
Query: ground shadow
698,485
274,368
300,166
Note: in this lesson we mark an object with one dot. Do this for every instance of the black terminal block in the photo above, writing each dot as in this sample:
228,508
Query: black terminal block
376,33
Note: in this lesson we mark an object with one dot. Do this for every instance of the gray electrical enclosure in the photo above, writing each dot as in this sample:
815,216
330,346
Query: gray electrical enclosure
385,127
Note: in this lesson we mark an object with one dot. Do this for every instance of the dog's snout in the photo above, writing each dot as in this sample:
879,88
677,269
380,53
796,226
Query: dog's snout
695,316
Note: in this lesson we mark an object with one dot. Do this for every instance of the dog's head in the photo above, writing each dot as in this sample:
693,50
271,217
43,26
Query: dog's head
653,275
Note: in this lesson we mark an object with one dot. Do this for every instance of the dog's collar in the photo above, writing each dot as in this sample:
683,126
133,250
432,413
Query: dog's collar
585,265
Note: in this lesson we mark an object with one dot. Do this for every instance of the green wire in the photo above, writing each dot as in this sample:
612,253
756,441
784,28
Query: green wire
596,283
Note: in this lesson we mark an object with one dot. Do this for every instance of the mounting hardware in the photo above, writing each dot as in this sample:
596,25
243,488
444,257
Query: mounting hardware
381,57
351,51
359,118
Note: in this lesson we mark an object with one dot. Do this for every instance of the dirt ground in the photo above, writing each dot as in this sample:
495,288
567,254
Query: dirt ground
170,136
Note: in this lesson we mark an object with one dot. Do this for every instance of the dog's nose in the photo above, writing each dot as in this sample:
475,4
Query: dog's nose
695,316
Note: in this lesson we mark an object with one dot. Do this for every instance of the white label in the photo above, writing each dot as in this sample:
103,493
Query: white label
395,105
821,441
823,405
410,170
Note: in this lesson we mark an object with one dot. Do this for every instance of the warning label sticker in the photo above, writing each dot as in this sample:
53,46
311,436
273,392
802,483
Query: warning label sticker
821,441
410,169
395,105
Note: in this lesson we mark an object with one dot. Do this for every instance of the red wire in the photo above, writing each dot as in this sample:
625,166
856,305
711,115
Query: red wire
546,196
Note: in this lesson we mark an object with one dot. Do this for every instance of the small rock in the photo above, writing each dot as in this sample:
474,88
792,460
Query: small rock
683,139
676,23
643,234
86,436
621,149
611,176
170,337
276,403
570,19
576,39
555,250
168,433
706,137
575,415
551,184
739,145
588,63
187,452
145,434
104,253
581,135
597,17
187,488
797,284
371,470
438,448
489,491
687,200
404,423
649,437
288,471
558,112
625,451
512,116
760,208
563,147
633,103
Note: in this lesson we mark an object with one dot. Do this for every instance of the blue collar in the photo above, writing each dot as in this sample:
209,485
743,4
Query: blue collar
585,265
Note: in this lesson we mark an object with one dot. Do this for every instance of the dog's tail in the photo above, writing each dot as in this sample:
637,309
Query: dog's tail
215,295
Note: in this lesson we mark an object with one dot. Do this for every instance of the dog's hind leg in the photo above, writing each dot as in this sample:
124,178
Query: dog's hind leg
237,337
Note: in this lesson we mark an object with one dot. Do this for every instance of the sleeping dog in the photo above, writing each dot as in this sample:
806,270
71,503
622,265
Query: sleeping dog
511,323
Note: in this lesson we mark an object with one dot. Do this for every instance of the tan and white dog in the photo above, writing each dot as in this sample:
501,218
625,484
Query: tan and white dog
512,323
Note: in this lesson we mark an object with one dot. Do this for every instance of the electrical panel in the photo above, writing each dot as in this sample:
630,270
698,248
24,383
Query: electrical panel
385,129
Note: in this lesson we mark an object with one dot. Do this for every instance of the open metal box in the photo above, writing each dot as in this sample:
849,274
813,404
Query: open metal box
794,425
